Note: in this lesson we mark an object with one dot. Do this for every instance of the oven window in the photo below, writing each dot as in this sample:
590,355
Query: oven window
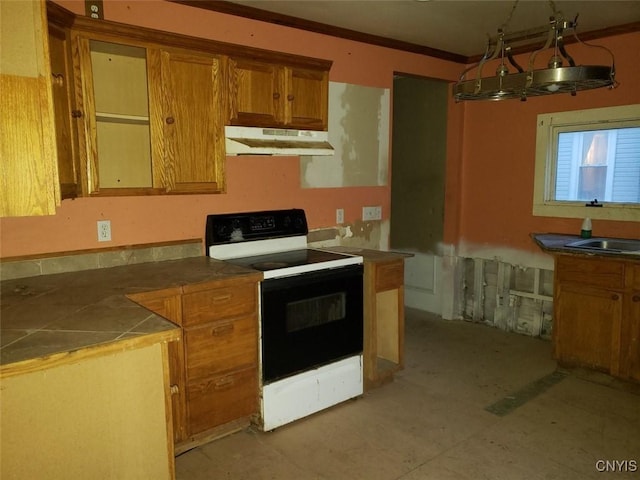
316,311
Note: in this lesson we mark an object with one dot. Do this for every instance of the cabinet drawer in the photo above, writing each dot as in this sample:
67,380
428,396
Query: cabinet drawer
221,346
389,276
588,271
218,400
218,304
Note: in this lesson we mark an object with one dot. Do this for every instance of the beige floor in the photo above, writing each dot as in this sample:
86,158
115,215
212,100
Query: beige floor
431,422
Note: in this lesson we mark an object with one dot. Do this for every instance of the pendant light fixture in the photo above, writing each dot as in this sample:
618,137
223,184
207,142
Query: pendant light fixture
529,81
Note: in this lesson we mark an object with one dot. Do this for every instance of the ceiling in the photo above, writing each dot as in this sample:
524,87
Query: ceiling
447,26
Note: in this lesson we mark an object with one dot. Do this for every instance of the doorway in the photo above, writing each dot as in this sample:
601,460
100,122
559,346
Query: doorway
418,171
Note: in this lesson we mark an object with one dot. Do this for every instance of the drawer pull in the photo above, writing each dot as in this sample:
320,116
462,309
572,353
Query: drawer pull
615,296
636,298
174,389
222,330
222,298
224,383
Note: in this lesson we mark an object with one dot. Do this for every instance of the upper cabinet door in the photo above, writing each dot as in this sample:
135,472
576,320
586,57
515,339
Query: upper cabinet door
266,94
307,98
65,114
116,133
256,93
28,170
153,119
188,111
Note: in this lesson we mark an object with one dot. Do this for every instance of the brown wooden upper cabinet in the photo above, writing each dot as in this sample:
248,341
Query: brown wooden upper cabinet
152,119
113,109
264,94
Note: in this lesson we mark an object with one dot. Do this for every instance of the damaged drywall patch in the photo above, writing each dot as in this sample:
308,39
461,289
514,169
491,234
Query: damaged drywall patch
359,234
359,119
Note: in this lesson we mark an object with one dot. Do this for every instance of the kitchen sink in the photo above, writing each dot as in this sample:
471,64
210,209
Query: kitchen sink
617,245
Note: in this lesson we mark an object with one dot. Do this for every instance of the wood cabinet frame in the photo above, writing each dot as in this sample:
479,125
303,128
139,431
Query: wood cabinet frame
294,75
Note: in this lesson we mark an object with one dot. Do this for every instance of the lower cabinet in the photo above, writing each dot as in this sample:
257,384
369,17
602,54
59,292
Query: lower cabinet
597,314
214,367
383,317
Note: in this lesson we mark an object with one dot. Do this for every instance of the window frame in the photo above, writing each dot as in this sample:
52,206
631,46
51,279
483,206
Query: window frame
547,128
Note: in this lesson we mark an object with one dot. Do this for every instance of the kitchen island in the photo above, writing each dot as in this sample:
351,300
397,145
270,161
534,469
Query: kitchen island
85,370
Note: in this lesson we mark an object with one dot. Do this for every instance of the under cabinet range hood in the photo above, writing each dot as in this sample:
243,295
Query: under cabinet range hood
276,141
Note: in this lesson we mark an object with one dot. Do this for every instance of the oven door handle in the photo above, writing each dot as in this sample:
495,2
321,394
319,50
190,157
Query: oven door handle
347,271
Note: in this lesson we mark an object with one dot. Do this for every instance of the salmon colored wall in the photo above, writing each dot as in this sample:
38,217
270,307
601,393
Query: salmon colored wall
498,156
254,183
490,156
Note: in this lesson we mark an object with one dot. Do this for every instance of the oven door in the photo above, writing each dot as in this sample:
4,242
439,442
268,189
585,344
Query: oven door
310,319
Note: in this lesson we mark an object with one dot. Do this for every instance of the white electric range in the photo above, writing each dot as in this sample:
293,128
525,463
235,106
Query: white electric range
311,311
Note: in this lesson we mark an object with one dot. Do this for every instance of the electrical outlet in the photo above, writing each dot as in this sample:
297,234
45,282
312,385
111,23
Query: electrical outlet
371,213
340,216
104,230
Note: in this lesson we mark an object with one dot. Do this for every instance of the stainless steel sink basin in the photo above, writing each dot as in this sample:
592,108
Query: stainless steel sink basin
617,245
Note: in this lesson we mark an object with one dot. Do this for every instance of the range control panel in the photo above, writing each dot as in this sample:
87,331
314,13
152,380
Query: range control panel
248,226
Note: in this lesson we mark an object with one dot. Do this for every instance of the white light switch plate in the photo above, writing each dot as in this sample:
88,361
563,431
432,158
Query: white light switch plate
371,213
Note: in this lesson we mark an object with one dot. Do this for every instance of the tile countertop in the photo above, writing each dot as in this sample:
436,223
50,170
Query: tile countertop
555,243
49,317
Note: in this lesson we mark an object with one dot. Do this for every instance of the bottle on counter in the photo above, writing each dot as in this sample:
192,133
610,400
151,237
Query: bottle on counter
585,231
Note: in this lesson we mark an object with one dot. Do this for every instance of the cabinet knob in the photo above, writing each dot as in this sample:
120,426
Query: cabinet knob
76,113
615,296
170,120
58,79
276,96
174,389
636,298
290,97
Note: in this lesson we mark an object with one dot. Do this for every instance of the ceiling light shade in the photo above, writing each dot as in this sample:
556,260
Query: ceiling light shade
530,82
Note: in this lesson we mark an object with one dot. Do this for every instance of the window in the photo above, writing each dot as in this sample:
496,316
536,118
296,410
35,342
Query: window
588,156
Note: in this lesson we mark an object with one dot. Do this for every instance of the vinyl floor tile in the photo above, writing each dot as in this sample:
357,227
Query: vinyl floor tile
431,422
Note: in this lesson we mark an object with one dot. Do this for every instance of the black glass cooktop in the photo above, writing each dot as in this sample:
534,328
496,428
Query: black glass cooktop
290,258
